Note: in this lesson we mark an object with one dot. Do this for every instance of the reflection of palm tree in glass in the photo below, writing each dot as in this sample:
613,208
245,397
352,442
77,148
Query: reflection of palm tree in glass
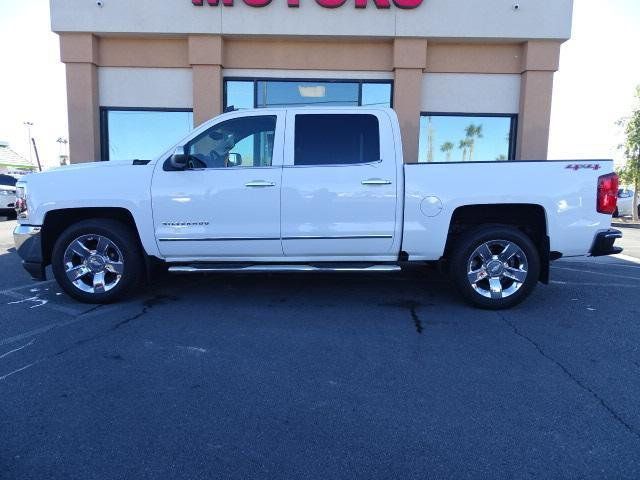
473,132
446,148
430,147
464,146
501,157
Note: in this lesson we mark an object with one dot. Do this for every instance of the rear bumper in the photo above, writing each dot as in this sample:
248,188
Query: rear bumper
603,243
28,241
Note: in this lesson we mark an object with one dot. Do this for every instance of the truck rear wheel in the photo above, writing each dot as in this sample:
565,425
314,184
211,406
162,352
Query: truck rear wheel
97,261
495,267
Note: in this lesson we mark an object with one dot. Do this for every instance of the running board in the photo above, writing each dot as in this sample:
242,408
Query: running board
280,268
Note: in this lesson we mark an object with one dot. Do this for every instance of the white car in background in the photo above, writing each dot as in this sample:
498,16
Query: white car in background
7,195
625,203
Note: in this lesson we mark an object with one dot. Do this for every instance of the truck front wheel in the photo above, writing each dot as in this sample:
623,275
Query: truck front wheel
97,261
495,267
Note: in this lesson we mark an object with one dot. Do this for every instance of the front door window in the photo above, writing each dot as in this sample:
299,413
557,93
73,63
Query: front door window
239,142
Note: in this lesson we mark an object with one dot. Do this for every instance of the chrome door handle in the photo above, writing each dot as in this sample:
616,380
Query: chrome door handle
260,183
376,181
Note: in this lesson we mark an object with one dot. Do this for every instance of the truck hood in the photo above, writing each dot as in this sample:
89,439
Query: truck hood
88,169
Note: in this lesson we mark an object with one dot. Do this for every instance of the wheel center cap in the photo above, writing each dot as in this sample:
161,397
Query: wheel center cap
96,263
495,268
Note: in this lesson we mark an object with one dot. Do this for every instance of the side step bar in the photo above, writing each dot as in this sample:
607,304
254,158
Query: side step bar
281,268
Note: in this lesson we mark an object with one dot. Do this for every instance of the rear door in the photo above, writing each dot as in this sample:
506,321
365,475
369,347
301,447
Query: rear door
339,184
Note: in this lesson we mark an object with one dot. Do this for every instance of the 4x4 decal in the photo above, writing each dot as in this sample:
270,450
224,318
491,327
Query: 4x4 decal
584,166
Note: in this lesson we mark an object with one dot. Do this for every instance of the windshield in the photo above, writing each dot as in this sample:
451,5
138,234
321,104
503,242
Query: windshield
8,180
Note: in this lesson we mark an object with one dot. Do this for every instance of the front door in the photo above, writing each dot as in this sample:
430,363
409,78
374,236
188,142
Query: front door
226,204
339,185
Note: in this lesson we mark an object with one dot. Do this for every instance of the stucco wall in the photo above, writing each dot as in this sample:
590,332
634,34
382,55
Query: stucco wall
461,19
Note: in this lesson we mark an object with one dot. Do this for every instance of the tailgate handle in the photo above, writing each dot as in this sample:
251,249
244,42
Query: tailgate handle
260,183
376,181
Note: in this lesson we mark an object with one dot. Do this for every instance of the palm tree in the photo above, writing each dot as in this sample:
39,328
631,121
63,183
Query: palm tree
473,132
446,148
464,145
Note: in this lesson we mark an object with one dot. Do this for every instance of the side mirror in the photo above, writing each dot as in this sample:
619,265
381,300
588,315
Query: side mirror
178,160
234,159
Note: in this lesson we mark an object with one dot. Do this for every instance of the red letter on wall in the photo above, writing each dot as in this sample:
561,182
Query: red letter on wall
293,3
407,4
379,3
213,3
257,3
331,3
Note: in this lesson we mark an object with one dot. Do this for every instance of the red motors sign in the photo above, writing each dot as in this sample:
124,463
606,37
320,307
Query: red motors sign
405,4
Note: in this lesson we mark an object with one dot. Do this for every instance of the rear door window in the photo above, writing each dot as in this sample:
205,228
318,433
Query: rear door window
336,139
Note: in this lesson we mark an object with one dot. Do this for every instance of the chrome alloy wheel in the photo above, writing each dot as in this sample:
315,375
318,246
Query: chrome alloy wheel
497,269
93,263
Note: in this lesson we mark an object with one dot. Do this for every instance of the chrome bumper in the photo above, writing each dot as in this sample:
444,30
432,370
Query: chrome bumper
28,241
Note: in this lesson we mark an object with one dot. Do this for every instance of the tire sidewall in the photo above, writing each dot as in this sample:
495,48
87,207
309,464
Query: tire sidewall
121,236
472,240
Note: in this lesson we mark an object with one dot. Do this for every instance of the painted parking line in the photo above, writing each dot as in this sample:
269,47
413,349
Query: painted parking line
17,349
3,377
22,287
78,317
36,301
592,272
593,284
627,258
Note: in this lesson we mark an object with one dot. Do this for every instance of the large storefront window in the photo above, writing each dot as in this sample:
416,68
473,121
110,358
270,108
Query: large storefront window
128,134
262,93
466,137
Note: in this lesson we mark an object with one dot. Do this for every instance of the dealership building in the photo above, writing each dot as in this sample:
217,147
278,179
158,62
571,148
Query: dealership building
470,80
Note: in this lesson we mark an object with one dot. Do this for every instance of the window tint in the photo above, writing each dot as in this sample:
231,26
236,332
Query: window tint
466,138
8,180
336,139
142,134
239,142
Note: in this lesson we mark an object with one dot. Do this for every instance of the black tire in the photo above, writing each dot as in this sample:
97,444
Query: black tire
464,250
128,245
616,214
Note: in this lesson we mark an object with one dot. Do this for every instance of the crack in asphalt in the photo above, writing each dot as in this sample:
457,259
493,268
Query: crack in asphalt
573,378
412,306
146,306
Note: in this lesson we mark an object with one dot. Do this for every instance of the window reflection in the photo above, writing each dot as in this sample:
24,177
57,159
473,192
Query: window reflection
283,94
466,138
376,95
261,93
142,134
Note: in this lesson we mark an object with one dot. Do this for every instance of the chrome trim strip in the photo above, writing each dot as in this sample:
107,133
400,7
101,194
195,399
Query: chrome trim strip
215,239
282,268
302,237
337,237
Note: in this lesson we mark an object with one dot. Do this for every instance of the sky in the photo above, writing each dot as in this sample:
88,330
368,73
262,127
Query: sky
594,88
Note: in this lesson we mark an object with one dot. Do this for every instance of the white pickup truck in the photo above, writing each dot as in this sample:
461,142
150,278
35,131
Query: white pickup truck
306,190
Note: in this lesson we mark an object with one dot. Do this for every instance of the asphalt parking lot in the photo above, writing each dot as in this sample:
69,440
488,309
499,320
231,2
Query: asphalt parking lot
323,376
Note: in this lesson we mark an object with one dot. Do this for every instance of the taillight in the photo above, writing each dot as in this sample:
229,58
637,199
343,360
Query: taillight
22,210
607,193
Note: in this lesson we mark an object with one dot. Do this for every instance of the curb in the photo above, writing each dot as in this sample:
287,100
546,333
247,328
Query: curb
625,225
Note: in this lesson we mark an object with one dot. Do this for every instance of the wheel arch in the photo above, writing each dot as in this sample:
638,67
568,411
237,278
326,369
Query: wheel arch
56,221
531,219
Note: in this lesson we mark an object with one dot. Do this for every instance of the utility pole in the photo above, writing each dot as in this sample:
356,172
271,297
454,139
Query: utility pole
35,149
29,125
